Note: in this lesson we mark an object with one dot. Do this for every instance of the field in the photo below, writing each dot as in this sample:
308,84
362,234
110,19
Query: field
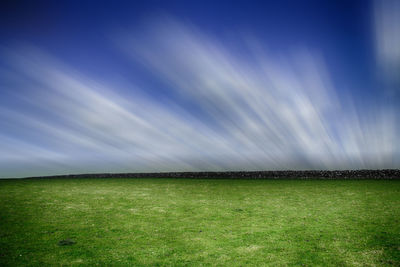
189,222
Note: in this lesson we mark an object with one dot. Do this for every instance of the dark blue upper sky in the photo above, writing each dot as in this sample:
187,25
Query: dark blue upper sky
79,31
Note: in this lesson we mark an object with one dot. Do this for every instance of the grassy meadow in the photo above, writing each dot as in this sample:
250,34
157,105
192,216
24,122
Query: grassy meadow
189,222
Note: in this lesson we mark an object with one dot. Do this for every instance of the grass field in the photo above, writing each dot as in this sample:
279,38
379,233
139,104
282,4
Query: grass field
177,222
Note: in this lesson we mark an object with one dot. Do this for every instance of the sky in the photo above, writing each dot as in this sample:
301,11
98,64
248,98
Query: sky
158,86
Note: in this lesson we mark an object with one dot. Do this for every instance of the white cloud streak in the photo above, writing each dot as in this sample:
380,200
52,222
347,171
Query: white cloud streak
387,40
254,114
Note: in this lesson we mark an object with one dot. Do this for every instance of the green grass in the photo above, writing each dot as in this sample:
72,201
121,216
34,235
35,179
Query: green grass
188,222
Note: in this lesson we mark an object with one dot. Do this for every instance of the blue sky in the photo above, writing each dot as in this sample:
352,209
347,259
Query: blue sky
118,86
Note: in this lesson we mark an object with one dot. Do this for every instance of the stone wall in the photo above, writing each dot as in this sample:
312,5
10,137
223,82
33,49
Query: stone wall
348,174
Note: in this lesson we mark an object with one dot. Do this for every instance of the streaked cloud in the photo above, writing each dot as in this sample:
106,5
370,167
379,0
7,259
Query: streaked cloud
222,111
387,40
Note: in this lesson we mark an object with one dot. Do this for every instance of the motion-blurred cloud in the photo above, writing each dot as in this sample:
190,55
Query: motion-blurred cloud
387,39
223,110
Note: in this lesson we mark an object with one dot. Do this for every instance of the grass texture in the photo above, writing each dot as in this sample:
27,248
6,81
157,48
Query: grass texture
189,222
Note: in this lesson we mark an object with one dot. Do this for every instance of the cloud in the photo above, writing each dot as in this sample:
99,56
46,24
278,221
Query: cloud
222,111
387,40
282,108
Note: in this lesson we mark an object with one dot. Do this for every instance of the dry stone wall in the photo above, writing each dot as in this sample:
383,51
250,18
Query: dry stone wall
347,174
